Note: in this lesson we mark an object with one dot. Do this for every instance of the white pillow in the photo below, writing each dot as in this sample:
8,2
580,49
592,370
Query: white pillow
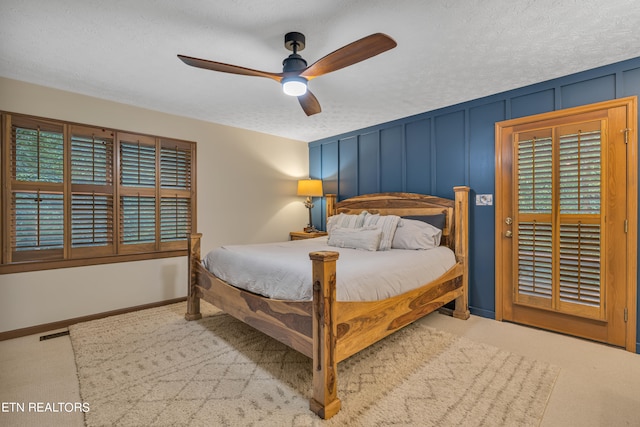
413,234
343,220
387,224
355,238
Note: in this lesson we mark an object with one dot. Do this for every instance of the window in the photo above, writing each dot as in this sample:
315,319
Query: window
80,195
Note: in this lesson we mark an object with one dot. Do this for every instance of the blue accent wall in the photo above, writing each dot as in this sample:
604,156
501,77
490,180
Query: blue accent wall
432,152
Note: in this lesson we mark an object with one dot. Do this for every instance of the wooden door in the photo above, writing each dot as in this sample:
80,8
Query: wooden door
566,215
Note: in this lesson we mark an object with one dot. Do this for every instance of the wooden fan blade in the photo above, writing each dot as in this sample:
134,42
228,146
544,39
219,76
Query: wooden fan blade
309,103
350,54
228,68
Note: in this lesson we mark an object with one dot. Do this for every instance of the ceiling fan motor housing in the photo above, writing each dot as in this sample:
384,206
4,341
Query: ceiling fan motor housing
294,62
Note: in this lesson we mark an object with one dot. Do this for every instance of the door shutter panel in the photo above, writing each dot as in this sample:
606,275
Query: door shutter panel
558,220
580,264
579,167
534,229
579,164
535,175
535,261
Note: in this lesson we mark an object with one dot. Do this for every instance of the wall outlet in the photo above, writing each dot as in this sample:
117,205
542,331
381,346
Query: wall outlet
484,199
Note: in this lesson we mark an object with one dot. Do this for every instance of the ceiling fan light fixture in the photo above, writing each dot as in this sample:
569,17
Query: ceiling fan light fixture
294,86
296,74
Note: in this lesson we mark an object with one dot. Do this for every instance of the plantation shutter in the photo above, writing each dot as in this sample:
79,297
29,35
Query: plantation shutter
92,220
175,165
138,219
37,150
535,262
137,193
137,164
92,192
38,224
36,190
580,159
558,257
580,264
82,195
176,192
175,218
535,204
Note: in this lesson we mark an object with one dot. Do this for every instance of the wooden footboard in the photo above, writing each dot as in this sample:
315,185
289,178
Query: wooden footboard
287,321
361,324
329,331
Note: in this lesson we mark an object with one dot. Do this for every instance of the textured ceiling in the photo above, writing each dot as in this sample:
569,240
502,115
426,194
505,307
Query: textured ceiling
449,51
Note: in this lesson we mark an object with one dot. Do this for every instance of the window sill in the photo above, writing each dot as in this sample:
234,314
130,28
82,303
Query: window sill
50,265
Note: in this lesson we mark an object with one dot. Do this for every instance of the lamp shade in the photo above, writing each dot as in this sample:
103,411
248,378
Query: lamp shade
310,187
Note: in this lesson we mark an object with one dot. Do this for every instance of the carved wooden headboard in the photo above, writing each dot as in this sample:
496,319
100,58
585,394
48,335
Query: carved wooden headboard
401,204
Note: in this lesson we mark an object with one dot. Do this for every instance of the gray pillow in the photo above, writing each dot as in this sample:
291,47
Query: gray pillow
387,224
414,234
343,220
367,239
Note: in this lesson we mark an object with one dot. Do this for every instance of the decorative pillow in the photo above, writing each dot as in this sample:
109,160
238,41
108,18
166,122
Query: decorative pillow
438,221
367,239
343,220
414,234
387,224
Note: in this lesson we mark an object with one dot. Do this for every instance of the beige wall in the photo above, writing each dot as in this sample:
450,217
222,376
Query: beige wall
246,184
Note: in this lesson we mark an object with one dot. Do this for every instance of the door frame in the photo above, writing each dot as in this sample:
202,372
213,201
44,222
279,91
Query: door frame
632,203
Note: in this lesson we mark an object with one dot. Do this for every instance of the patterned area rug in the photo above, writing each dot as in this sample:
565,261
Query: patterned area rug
153,368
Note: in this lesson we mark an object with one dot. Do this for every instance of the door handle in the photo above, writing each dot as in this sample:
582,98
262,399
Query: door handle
508,233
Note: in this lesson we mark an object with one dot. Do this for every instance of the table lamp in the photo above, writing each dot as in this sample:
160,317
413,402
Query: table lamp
310,188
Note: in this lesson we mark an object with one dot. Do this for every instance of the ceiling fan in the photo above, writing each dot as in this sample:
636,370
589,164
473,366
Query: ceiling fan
296,74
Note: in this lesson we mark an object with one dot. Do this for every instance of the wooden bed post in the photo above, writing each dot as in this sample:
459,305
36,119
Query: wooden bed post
324,401
461,230
193,302
330,205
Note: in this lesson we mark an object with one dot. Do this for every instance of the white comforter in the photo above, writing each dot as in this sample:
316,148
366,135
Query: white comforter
283,270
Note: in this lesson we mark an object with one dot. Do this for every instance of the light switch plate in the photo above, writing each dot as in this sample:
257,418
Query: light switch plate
484,199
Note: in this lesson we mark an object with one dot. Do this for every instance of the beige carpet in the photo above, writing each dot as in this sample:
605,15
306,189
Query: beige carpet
153,368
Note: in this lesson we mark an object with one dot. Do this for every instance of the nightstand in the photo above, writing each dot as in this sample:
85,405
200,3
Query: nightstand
300,235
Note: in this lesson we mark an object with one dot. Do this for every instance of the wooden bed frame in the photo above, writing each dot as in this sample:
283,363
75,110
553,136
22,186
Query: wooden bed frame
329,331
